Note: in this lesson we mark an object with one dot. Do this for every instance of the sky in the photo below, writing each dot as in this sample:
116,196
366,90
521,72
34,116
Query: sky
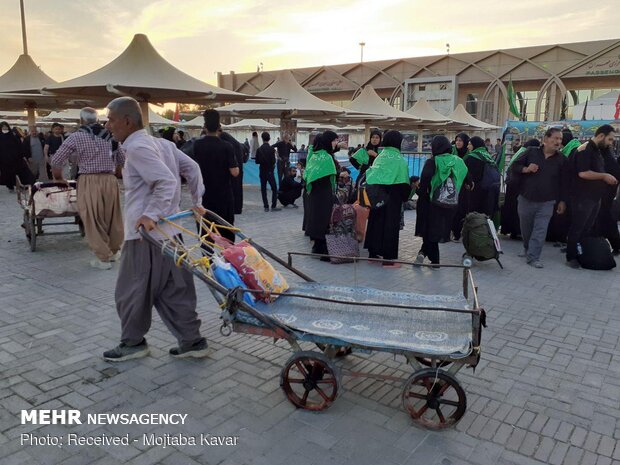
68,38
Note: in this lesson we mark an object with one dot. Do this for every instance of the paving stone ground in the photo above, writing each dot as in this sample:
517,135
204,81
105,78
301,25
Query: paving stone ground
547,389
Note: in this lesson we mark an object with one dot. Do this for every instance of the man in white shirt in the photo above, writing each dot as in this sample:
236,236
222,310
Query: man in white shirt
146,277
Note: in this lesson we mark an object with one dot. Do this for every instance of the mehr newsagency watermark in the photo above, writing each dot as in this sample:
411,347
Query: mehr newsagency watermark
75,417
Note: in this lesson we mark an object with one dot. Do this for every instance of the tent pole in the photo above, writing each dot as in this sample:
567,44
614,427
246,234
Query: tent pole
24,40
31,120
144,107
366,131
420,140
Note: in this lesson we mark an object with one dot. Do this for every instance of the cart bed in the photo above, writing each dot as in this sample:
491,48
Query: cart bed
431,332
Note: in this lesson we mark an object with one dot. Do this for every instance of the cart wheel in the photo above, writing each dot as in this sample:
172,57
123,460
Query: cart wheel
434,399
310,381
33,233
428,362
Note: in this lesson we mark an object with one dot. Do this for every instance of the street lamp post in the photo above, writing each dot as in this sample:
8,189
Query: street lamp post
362,51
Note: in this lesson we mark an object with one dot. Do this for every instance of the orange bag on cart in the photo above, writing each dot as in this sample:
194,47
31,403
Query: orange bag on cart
256,272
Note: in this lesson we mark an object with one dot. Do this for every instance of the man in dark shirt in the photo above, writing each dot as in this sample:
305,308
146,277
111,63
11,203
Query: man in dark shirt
284,148
606,224
589,184
52,144
218,166
266,160
542,182
290,190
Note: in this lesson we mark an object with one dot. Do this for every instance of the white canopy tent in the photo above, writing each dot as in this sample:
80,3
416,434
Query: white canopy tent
141,72
461,119
369,103
423,110
250,124
603,107
298,103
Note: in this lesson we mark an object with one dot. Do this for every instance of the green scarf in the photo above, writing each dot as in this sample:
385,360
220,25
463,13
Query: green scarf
318,165
568,148
455,152
362,156
388,168
447,165
482,154
515,156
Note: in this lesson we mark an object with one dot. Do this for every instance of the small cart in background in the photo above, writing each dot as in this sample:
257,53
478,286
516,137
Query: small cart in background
45,200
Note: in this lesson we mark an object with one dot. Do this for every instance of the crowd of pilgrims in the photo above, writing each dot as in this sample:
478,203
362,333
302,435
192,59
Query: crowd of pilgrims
573,206
559,190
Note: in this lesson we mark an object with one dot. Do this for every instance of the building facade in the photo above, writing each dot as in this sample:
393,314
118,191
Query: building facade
549,80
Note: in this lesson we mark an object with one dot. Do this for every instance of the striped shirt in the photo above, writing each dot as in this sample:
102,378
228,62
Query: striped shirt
91,153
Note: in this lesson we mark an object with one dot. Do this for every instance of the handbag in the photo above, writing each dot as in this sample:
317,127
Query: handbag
371,195
341,240
361,221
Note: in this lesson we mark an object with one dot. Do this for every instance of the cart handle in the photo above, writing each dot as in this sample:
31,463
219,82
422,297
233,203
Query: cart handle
177,216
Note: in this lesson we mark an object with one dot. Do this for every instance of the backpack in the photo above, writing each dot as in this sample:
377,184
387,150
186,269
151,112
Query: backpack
371,195
594,253
491,177
479,238
446,195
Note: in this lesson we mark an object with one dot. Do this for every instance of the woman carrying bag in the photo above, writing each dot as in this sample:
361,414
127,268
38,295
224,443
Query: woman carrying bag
388,174
434,221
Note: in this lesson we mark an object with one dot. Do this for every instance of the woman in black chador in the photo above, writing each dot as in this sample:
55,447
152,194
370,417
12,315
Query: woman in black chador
359,160
390,174
320,177
460,149
12,162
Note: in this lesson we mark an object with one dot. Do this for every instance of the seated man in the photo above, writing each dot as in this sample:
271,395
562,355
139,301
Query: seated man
290,189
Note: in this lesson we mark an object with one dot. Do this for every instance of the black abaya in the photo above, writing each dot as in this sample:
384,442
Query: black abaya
12,163
509,215
382,232
433,223
319,208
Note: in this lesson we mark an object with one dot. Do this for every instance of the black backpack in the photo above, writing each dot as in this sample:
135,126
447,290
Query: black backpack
594,253
491,178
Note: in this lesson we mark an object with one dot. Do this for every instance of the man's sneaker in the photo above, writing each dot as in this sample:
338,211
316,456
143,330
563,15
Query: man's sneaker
523,253
96,263
266,209
199,349
124,352
419,259
573,264
536,264
275,209
116,257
